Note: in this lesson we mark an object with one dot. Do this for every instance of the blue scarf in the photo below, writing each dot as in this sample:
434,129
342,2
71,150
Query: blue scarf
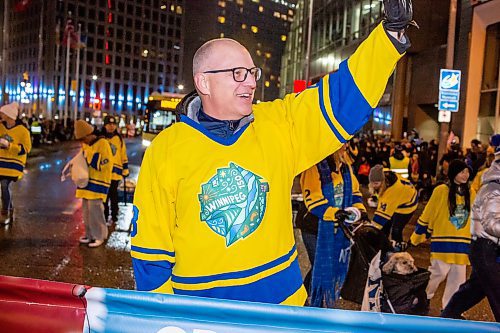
332,255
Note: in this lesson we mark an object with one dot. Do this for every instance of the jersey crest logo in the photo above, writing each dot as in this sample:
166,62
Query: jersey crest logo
233,202
459,219
383,207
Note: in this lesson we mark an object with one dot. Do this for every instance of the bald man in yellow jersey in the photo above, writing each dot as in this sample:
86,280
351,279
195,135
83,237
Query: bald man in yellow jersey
212,213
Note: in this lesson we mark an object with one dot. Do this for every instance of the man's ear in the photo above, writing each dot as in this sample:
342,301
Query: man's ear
202,84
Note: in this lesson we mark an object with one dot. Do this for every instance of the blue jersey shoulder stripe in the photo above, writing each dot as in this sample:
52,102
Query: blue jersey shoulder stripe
354,111
151,251
275,288
325,115
235,275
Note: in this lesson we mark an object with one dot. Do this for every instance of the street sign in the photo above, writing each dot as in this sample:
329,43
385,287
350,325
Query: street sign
444,116
449,90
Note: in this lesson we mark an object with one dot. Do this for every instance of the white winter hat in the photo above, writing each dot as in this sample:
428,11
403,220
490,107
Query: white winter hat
10,110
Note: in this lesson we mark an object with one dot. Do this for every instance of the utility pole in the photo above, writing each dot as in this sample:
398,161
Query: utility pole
39,63
450,53
309,36
5,42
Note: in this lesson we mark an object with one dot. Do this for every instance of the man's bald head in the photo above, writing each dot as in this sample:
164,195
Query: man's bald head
209,51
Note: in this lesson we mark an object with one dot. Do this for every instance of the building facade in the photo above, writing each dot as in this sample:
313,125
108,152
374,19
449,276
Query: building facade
411,97
260,25
132,48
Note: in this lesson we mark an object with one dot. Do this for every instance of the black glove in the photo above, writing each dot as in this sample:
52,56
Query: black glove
364,216
398,15
342,215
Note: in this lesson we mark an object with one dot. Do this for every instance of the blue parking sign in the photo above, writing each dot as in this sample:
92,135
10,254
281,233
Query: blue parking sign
450,80
449,90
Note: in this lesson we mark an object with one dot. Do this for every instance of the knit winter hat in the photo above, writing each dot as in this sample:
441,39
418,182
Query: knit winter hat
376,174
456,166
82,129
109,120
10,110
495,142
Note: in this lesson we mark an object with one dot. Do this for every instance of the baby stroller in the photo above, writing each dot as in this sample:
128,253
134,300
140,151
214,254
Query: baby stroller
404,294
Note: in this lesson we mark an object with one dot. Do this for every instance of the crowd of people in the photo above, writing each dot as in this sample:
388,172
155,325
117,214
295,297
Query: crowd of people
395,173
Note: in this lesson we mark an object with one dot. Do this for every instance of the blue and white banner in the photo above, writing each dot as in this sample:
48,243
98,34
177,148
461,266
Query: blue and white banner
29,305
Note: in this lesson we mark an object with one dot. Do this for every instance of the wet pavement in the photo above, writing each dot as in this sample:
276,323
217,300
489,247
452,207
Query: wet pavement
43,243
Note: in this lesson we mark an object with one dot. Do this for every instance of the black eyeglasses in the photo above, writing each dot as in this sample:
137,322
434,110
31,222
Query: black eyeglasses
240,73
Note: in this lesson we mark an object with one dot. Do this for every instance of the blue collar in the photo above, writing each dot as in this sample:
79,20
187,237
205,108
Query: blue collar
221,128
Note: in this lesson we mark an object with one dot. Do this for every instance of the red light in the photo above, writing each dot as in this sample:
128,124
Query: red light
107,59
106,46
110,18
109,4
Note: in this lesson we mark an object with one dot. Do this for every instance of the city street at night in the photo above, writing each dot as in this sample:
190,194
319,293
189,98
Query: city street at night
42,242
305,166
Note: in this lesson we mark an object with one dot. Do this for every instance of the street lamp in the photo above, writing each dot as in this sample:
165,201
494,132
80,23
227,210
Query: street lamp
180,87
94,77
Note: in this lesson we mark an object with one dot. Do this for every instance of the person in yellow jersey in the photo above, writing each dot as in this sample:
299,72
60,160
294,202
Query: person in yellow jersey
99,158
399,162
212,208
15,144
397,200
446,221
331,192
120,167
477,182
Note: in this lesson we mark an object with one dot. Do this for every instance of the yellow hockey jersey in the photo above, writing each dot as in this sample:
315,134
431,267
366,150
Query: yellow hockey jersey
401,198
450,237
212,216
317,203
13,159
119,160
99,158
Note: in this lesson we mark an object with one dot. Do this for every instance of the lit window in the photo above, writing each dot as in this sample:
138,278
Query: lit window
258,53
268,55
178,10
243,26
172,8
261,9
290,12
221,35
272,78
239,2
277,14
221,19
284,17
267,84
222,4
255,29
283,38
163,7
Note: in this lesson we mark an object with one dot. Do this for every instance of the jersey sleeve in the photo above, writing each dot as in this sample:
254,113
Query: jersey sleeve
153,223
329,113
314,198
22,145
425,223
387,205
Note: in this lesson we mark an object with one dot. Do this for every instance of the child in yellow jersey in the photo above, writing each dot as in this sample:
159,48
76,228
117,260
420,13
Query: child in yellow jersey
397,201
15,144
328,188
120,167
98,154
446,221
